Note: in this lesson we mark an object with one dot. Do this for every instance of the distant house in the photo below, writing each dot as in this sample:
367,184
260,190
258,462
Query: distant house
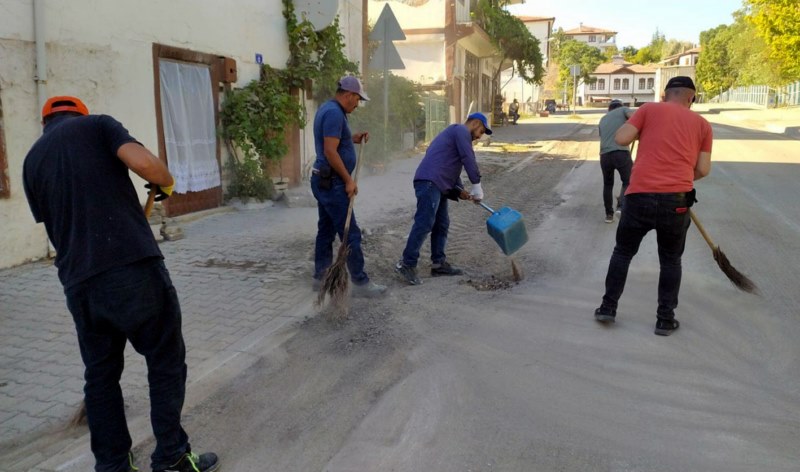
541,28
686,58
597,37
631,83
684,64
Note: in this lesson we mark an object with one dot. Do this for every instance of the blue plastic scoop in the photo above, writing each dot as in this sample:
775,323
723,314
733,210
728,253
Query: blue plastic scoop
506,228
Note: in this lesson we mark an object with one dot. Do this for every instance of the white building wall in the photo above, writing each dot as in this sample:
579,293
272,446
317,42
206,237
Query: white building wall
101,51
428,15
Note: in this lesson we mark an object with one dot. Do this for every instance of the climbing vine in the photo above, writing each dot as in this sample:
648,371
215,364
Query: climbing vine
254,117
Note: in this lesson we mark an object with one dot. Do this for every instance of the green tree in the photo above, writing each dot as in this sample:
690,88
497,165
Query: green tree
778,23
513,39
629,52
653,52
715,71
574,52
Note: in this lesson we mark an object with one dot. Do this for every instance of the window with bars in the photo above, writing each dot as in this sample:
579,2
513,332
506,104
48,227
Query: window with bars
601,84
593,86
641,84
626,84
616,84
471,78
650,83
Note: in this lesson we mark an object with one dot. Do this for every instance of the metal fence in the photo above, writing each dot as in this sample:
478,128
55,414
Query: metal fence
762,95
437,114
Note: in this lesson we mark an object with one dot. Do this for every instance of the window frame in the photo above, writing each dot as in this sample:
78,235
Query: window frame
5,189
617,83
626,84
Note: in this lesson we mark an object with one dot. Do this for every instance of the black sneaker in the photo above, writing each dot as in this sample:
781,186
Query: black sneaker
604,315
409,274
610,218
445,269
190,462
666,327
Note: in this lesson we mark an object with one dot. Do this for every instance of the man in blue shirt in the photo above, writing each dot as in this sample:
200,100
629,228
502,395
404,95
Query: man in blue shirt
333,186
438,178
117,287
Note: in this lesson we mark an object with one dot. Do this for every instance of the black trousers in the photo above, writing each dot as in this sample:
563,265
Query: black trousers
135,303
609,162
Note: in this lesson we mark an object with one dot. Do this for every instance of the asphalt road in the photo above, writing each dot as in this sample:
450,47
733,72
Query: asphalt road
480,374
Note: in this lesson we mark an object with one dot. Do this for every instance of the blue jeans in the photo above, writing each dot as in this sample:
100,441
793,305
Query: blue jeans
622,163
332,206
135,303
431,218
667,213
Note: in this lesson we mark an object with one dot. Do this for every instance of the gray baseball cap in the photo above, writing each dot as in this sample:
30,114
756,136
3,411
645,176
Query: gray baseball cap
352,84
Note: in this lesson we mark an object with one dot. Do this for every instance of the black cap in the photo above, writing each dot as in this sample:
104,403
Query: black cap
614,104
680,81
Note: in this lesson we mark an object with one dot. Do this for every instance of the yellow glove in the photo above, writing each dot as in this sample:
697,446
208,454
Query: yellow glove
162,192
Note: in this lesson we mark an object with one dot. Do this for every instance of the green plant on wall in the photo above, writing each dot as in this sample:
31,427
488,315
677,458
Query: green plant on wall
255,117
253,120
315,55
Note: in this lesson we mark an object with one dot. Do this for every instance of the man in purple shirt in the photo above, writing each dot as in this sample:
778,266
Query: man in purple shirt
438,178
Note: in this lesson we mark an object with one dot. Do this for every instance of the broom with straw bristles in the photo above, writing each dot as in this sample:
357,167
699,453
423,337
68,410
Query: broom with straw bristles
739,280
336,282
79,417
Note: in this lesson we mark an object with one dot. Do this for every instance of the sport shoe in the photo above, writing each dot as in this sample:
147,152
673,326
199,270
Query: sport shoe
409,274
610,218
666,327
445,269
604,315
190,462
368,290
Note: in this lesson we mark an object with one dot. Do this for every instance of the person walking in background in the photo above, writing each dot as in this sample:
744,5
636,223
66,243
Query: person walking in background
674,151
614,156
117,288
333,185
438,179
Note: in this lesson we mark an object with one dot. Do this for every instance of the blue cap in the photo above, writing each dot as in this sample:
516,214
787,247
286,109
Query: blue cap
482,118
352,84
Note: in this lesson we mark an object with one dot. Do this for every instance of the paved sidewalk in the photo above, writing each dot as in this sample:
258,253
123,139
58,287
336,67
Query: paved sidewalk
231,280
782,121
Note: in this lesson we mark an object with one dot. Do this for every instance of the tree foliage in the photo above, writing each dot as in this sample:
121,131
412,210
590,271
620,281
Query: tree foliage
513,39
777,22
740,54
573,52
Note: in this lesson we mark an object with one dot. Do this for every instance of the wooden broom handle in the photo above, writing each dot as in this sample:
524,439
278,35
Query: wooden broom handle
151,200
702,230
353,198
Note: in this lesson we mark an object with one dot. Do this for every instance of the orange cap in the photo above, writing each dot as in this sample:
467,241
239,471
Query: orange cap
73,104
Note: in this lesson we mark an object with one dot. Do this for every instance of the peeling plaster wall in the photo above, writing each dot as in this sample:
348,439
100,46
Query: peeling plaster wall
101,51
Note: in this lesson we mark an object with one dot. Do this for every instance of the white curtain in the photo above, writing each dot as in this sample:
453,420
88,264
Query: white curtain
187,108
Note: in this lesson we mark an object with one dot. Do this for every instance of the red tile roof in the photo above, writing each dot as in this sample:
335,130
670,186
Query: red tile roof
583,29
624,68
532,19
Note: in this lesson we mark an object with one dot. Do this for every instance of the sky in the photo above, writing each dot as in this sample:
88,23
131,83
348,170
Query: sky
636,20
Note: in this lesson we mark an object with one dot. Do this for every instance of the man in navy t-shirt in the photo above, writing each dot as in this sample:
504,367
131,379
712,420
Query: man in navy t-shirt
117,287
333,186
438,178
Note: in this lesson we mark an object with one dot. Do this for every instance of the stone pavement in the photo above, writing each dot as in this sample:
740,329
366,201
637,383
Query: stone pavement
233,274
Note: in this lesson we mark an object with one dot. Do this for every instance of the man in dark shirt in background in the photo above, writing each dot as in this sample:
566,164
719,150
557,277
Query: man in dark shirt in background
614,156
117,287
438,178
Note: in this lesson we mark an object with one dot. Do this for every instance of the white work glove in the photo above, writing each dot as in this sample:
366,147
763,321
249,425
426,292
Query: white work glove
476,192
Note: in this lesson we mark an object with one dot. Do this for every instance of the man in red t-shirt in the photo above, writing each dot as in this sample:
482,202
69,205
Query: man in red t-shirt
674,151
